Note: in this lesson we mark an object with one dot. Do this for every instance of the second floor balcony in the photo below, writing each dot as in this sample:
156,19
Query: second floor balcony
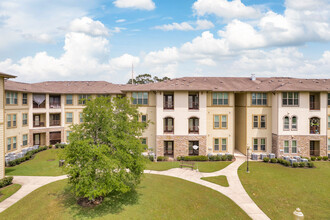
54,119
54,101
39,101
39,120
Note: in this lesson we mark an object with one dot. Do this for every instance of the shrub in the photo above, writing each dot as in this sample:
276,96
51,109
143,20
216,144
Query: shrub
160,158
6,181
218,158
313,158
224,158
12,163
195,158
230,157
325,158
179,158
295,164
266,159
151,158
50,146
58,145
279,160
286,163
212,158
310,164
319,158
273,160
302,164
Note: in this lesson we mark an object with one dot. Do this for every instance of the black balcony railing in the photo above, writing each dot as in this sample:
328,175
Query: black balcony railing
314,106
38,124
194,129
193,105
168,129
168,105
54,122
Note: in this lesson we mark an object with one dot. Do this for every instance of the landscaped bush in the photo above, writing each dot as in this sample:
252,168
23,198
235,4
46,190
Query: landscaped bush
27,156
162,158
212,158
310,164
273,160
224,158
302,164
50,146
313,158
230,157
309,159
179,158
6,181
58,145
196,158
319,158
295,164
266,159
151,158
279,160
286,163
325,158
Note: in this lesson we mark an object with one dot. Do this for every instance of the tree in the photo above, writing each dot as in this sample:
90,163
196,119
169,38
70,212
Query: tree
146,78
104,154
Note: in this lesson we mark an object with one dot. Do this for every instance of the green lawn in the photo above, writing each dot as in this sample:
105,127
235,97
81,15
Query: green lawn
202,166
220,180
157,197
45,163
8,191
279,190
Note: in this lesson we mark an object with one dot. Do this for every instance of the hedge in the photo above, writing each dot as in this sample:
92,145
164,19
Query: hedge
27,156
6,181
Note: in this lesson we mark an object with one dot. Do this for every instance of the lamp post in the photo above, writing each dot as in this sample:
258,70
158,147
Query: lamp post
247,159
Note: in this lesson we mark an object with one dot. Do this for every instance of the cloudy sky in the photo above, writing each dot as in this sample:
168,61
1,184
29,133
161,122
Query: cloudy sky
100,40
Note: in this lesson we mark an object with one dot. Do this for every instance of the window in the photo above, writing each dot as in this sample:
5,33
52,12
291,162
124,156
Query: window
224,144
314,125
83,98
294,123
259,98
144,118
259,143
24,99
290,99
193,125
25,139
11,98
168,101
220,121
14,142
193,148
69,117
69,99
193,101
220,98
259,121
143,141
294,147
11,120
286,124
8,144
329,121
168,148
67,136
329,99
216,144
81,119
286,147
24,118
168,124
140,98
328,145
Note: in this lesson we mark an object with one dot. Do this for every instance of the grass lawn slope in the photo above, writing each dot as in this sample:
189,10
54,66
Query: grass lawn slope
45,163
8,191
202,166
157,197
279,190
220,180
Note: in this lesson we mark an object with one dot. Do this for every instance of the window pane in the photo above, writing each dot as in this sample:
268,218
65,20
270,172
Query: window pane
216,121
255,144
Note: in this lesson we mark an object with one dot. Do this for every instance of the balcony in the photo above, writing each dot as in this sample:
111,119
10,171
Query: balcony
39,120
168,105
194,129
168,129
314,125
193,101
54,137
193,105
39,101
314,101
54,101
54,119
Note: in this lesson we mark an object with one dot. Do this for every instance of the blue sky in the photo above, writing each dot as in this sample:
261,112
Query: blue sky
99,40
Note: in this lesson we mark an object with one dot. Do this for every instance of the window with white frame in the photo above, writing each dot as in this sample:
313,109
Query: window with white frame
259,144
24,118
224,144
294,123
8,144
14,142
24,99
286,123
220,121
290,98
259,98
294,146
11,121
140,98
259,121
69,117
11,98
286,147
69,99
220,98
216,144
25,140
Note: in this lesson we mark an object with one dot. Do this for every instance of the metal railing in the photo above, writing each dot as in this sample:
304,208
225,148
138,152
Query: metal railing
39,124
54,122
168,105
193,105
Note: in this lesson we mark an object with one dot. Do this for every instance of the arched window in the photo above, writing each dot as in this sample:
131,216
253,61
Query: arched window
314,127
193,125
294,123
286,124
169,124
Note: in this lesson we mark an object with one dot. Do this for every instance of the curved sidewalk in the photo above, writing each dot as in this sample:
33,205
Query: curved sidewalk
235,191
29,184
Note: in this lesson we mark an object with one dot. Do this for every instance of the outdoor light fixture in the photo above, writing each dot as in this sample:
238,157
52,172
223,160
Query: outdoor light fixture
247,158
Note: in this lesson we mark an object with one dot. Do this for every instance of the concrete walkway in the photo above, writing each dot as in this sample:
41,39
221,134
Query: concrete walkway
29,184
235,191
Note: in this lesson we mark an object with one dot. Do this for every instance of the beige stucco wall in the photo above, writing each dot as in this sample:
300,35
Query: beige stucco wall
229,132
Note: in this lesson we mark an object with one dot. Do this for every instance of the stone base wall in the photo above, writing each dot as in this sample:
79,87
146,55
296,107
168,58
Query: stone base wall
181,144
303,144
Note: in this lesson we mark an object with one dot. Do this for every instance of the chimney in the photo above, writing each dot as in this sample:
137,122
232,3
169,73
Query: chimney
253,77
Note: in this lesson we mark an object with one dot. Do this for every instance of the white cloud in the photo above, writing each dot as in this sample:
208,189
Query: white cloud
167,55
135,4
120,20
88,26
186,26
124,61
225,9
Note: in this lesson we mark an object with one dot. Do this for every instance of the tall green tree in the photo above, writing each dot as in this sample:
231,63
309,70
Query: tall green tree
104,155
146,78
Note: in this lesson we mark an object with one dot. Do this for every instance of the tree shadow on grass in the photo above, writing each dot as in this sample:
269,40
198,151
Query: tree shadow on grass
10,170
113,204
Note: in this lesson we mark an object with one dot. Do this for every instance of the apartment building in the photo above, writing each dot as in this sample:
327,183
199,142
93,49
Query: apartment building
188,116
